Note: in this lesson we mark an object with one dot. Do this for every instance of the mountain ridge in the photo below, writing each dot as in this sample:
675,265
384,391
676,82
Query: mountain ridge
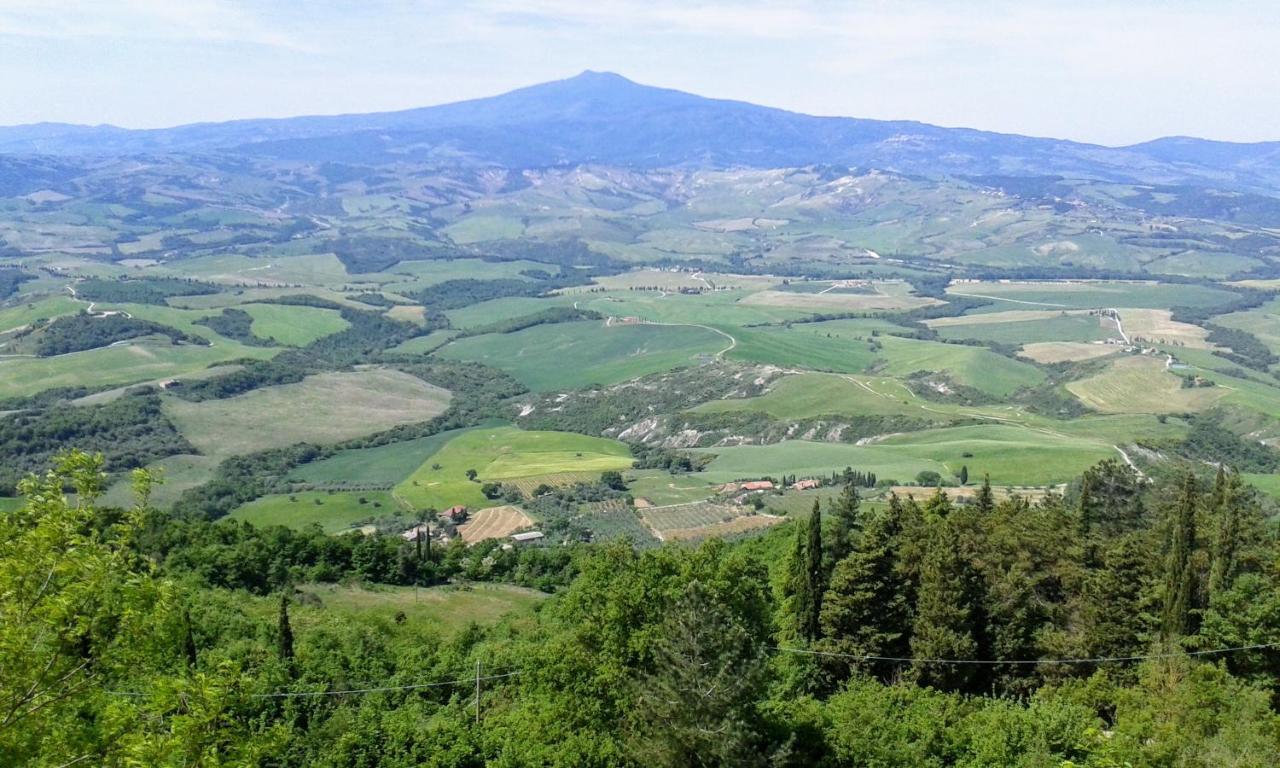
603,117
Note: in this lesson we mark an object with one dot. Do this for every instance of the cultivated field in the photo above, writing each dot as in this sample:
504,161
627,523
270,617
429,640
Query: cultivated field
505,454
1157,326
1089,294
702,520
839,302
325,408
1065,351
494,523
568,355
528,485
1141,384
381,465
129,363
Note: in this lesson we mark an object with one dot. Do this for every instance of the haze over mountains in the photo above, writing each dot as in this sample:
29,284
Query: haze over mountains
604,118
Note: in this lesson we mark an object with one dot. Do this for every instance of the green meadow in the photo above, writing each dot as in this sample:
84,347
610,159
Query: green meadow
570,355
504,453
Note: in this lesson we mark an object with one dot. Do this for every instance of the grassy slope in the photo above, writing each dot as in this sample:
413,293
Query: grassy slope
383,464
332,511
505,453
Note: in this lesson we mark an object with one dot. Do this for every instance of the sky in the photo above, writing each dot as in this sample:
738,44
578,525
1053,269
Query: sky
1115,72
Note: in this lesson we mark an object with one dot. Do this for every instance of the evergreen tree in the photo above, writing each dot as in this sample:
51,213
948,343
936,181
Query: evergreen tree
285,633
697,707
1231,507
1114,600
964,474
986,499
807,576
866,609
844,524
1179,573
948,614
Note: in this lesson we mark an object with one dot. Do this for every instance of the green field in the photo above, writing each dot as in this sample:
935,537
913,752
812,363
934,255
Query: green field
137,361
177,474
15,316
504,453
802,346
975,367
570,355
384,464
292,325
422,345
499,310
331,510
446,609
1090,295
1011,454
325,408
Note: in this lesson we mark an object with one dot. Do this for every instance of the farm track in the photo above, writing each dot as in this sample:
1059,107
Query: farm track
1014,301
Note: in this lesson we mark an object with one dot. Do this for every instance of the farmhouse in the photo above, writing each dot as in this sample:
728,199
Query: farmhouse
455,514
527,537
804,485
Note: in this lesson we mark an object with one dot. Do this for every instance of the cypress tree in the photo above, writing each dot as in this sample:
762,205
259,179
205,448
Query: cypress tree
189,652
285,632
964,474
986,499
815,574
1179,572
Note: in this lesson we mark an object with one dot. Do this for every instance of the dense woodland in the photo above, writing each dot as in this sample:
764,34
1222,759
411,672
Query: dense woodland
836,640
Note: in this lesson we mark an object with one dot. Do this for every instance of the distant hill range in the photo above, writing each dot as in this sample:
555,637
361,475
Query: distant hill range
604,118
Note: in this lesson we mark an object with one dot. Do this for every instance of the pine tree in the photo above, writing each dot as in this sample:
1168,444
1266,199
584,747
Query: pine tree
866,610
1179,573
948,614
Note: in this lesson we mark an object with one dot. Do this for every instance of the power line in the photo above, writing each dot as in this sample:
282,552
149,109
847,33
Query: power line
993,662
376,689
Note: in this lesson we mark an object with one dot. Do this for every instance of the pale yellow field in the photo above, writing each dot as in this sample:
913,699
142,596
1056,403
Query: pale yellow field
326,408
407,313
1140,384
494,523
846,302
1157,326
1065,351
1011,316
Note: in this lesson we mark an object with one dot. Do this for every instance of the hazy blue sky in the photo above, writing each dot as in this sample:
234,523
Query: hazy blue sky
1112,72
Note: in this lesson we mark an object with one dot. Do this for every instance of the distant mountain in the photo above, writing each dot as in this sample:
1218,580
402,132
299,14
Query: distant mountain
604,118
